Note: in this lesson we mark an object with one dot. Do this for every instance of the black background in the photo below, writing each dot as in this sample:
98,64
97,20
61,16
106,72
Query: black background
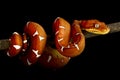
100,58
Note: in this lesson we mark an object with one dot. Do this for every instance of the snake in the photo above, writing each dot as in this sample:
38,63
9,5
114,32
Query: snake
69,41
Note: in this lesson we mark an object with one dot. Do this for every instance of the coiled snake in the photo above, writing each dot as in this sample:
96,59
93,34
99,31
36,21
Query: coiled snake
69,41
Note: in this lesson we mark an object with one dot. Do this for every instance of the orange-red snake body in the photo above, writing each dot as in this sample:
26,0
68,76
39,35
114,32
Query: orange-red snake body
69,41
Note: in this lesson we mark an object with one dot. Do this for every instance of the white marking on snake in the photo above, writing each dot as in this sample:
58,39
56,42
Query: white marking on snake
15,33
77,33
41,38
76,46
69,58
56,32
9,39
8,53
49,58
62,27
62,48
23,50
56,19
60,39
17,46
27,23
36,53
68,46
25,41
29,63
35,33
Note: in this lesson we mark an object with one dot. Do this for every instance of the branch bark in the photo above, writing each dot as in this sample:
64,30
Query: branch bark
114,27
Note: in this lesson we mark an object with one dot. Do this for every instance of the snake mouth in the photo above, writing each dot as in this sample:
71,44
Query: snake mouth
98,31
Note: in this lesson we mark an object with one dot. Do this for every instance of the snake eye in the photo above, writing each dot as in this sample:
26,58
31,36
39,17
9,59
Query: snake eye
97,25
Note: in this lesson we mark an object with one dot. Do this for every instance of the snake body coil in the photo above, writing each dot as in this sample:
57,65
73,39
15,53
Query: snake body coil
69,41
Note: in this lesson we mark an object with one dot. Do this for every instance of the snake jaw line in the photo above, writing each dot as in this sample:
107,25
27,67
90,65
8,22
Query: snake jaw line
96,31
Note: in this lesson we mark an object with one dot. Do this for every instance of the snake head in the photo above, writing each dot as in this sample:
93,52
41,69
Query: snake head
95,26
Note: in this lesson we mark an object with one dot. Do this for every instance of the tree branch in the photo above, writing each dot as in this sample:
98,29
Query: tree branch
114,27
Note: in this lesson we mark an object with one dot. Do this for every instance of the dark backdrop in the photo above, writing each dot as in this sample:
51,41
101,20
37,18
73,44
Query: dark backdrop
100,58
